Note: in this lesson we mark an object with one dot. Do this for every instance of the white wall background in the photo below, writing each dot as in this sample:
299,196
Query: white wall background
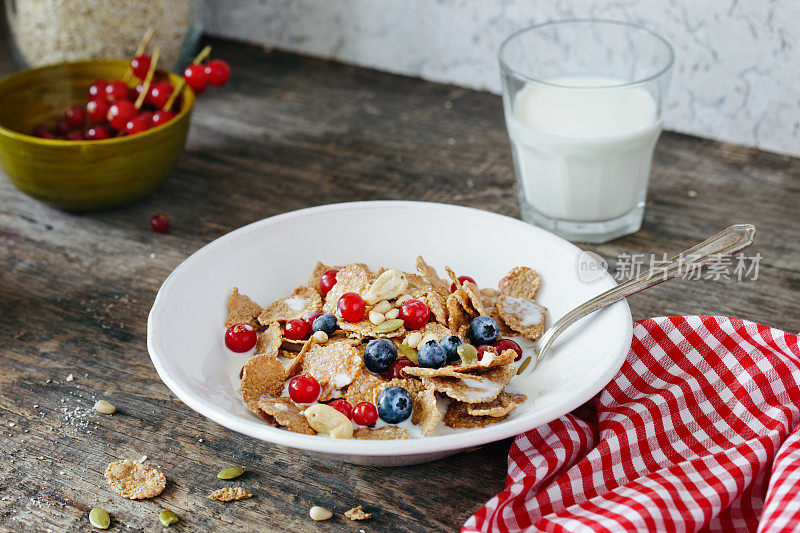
736,79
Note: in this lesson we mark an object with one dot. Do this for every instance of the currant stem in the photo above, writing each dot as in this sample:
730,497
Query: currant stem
204,53
148,79
175,92
139,51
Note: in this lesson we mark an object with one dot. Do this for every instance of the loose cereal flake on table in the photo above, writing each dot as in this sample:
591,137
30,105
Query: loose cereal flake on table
357,513
134,481
229,494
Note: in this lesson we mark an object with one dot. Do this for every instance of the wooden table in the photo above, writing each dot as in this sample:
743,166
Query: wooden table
290,132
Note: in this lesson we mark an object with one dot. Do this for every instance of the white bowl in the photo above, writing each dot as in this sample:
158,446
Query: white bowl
267,259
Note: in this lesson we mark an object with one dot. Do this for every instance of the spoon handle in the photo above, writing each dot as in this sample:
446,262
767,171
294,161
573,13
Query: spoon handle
724,244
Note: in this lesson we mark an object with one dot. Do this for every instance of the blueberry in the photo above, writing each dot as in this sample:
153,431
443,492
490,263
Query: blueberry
379,355
483,330
431,355
325,322
449,344
394,405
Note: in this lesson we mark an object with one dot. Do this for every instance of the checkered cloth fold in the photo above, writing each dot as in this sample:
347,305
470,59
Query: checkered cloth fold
697,432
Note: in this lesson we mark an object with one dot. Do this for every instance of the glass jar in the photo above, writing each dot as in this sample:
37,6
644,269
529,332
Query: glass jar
43,32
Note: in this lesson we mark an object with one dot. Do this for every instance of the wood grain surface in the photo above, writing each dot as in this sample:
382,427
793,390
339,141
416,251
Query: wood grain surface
290,132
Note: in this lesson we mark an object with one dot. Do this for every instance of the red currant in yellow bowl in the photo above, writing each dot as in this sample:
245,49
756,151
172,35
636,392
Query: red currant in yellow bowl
73,136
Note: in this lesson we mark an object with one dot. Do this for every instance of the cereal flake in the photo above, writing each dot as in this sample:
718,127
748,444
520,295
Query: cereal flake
242,310
352,278
284,412
133,480
302,301
522,315
500,406
384,433
334,365
522,282
229,494
471,390
458,417
263,375
357,513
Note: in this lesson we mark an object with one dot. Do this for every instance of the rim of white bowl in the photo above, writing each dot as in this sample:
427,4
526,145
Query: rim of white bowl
352,447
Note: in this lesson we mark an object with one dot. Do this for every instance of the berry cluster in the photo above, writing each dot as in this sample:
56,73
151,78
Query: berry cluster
142,100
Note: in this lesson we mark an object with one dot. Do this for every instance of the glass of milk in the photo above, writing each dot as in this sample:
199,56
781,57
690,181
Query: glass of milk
583,101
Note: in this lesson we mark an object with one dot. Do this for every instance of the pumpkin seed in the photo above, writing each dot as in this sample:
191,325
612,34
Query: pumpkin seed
468,353
524,365
408,352
167,518
389,326
99,518
231,472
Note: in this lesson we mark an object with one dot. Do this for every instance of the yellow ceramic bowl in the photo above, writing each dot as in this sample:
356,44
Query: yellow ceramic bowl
81,175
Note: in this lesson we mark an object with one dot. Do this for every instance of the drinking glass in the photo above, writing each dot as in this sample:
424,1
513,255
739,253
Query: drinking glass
583,103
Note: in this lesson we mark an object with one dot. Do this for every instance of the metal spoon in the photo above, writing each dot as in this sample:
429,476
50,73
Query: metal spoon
724,244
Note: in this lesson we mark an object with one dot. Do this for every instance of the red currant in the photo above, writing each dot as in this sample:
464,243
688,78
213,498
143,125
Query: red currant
365,414
120,113
217,72
344,407
351,307
414,313
43,131
309,320
396,368
140,65
117,90
160,93
295,330
240,338
98,90
137,125
159,223
507,344
161,117
75,116
461,279
97,133
327,281
147,117
195,76
75,135
97,109
62,128
303,389
483,348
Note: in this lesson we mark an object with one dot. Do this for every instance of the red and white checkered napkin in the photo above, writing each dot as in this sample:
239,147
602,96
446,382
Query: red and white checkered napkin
698,431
